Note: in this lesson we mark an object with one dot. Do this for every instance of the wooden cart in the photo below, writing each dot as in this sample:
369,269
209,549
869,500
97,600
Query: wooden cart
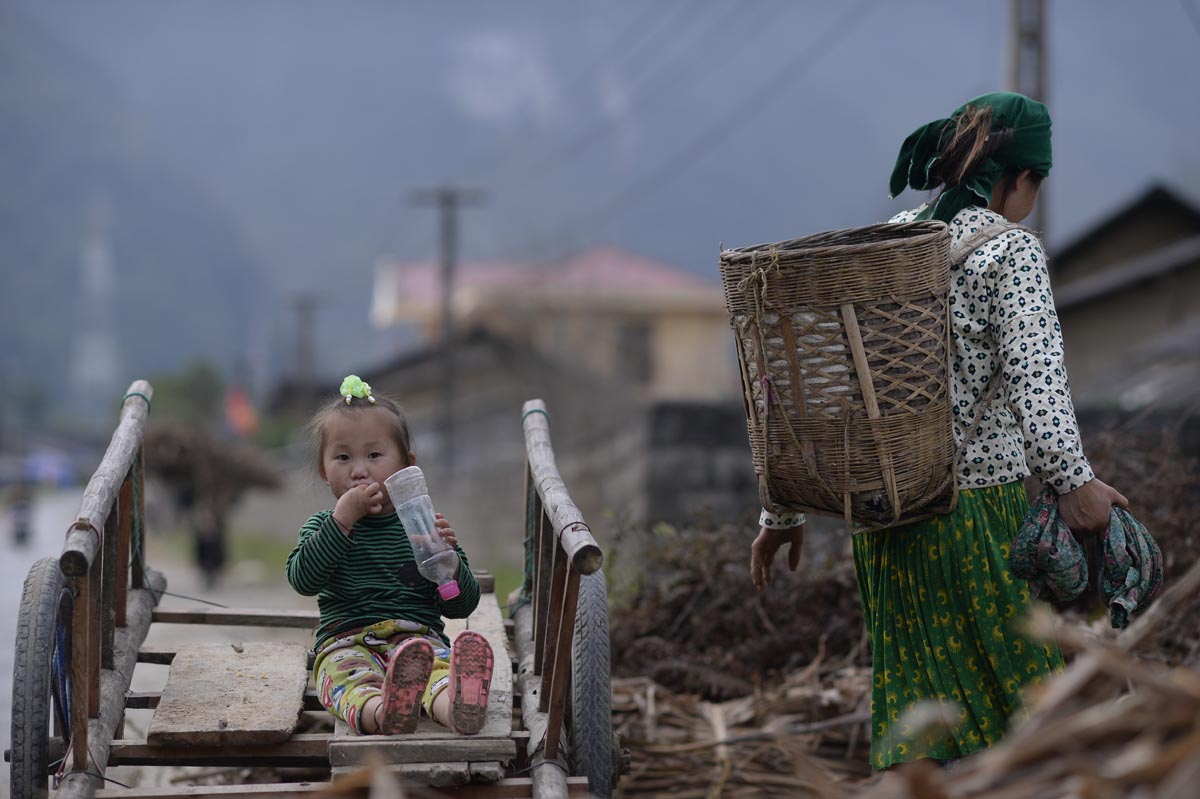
84,618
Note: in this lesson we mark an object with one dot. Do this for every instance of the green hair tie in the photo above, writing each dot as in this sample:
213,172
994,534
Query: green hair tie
355,386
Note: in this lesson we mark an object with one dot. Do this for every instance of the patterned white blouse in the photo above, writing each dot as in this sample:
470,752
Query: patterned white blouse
1003,314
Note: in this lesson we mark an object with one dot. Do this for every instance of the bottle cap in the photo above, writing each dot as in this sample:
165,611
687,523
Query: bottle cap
406,484
449,590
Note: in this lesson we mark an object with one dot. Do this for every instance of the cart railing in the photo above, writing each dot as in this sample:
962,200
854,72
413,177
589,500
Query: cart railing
561,548
104,553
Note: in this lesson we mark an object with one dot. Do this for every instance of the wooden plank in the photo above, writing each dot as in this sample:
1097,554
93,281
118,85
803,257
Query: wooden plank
286,790
487,620
304,749
231,695
454,627
419,748
148,700
348,780
246,617
510,788
162,656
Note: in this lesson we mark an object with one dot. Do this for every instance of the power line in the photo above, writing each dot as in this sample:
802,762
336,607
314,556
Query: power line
540,164
641,101
485,165
641,32
751,105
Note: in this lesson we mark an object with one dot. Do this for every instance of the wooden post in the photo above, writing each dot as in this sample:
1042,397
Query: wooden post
81,783
551,660
542,599
125,513
138,566
81,680
108,588
92,611
555,688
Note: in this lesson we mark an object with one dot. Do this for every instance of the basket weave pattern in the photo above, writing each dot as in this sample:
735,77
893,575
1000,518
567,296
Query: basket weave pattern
842,343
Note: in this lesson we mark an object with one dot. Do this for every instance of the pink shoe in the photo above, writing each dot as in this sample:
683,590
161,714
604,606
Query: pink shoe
471,663
404,686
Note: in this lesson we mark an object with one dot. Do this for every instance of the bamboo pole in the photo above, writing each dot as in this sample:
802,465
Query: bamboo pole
100,495
573,533
865,382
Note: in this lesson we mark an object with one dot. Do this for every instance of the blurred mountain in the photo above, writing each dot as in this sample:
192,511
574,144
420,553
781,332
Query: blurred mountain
180,281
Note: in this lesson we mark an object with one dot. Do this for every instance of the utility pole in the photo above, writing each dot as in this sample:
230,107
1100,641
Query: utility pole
1027,69
447,200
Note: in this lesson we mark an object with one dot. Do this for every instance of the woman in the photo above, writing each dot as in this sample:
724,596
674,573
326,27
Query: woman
938,596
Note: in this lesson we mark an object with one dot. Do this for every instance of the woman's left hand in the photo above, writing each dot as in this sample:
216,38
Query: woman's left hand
445,530
1087,508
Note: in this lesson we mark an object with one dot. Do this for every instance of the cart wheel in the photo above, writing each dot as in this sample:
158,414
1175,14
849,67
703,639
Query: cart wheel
591,735
41,683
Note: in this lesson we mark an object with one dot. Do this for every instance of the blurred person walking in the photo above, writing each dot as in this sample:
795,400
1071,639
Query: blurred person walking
20,510
939,598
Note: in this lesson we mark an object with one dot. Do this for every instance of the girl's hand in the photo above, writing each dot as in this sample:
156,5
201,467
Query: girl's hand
356,503
445,530
1087,508
768,542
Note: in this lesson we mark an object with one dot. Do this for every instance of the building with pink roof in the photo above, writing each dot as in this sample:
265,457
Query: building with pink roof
659,329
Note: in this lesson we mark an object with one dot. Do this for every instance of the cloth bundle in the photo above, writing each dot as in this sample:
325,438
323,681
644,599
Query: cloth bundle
1052,560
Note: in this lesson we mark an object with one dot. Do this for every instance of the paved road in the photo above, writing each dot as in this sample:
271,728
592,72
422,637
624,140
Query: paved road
53,513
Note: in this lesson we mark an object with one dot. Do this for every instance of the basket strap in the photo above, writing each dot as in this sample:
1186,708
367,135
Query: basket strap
959,253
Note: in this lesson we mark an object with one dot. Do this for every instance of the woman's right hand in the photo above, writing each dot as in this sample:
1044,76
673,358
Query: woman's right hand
768,542
1088,508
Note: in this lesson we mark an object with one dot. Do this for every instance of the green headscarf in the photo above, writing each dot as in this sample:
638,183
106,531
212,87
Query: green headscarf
1029,148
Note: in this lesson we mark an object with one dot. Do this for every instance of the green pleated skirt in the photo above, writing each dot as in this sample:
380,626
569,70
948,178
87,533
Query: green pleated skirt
939,602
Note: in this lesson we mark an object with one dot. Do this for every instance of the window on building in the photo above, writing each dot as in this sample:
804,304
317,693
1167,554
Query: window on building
634,357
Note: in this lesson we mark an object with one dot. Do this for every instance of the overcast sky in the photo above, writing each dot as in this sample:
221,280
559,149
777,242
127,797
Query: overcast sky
665,126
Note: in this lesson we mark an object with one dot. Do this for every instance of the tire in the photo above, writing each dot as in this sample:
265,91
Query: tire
590,721
38,688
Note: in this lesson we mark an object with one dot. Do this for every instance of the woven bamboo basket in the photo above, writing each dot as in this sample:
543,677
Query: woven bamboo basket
843,344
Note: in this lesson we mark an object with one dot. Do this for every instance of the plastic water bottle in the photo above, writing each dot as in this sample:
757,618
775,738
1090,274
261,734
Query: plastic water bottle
436,560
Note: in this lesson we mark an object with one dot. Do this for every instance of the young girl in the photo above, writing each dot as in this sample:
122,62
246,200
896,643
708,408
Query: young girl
381,647
939,599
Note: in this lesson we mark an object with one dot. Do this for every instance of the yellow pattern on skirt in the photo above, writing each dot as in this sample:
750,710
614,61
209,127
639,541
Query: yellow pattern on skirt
939,601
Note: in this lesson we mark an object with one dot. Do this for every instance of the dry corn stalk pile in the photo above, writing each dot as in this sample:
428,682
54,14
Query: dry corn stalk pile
696,625
1111,726
801,739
